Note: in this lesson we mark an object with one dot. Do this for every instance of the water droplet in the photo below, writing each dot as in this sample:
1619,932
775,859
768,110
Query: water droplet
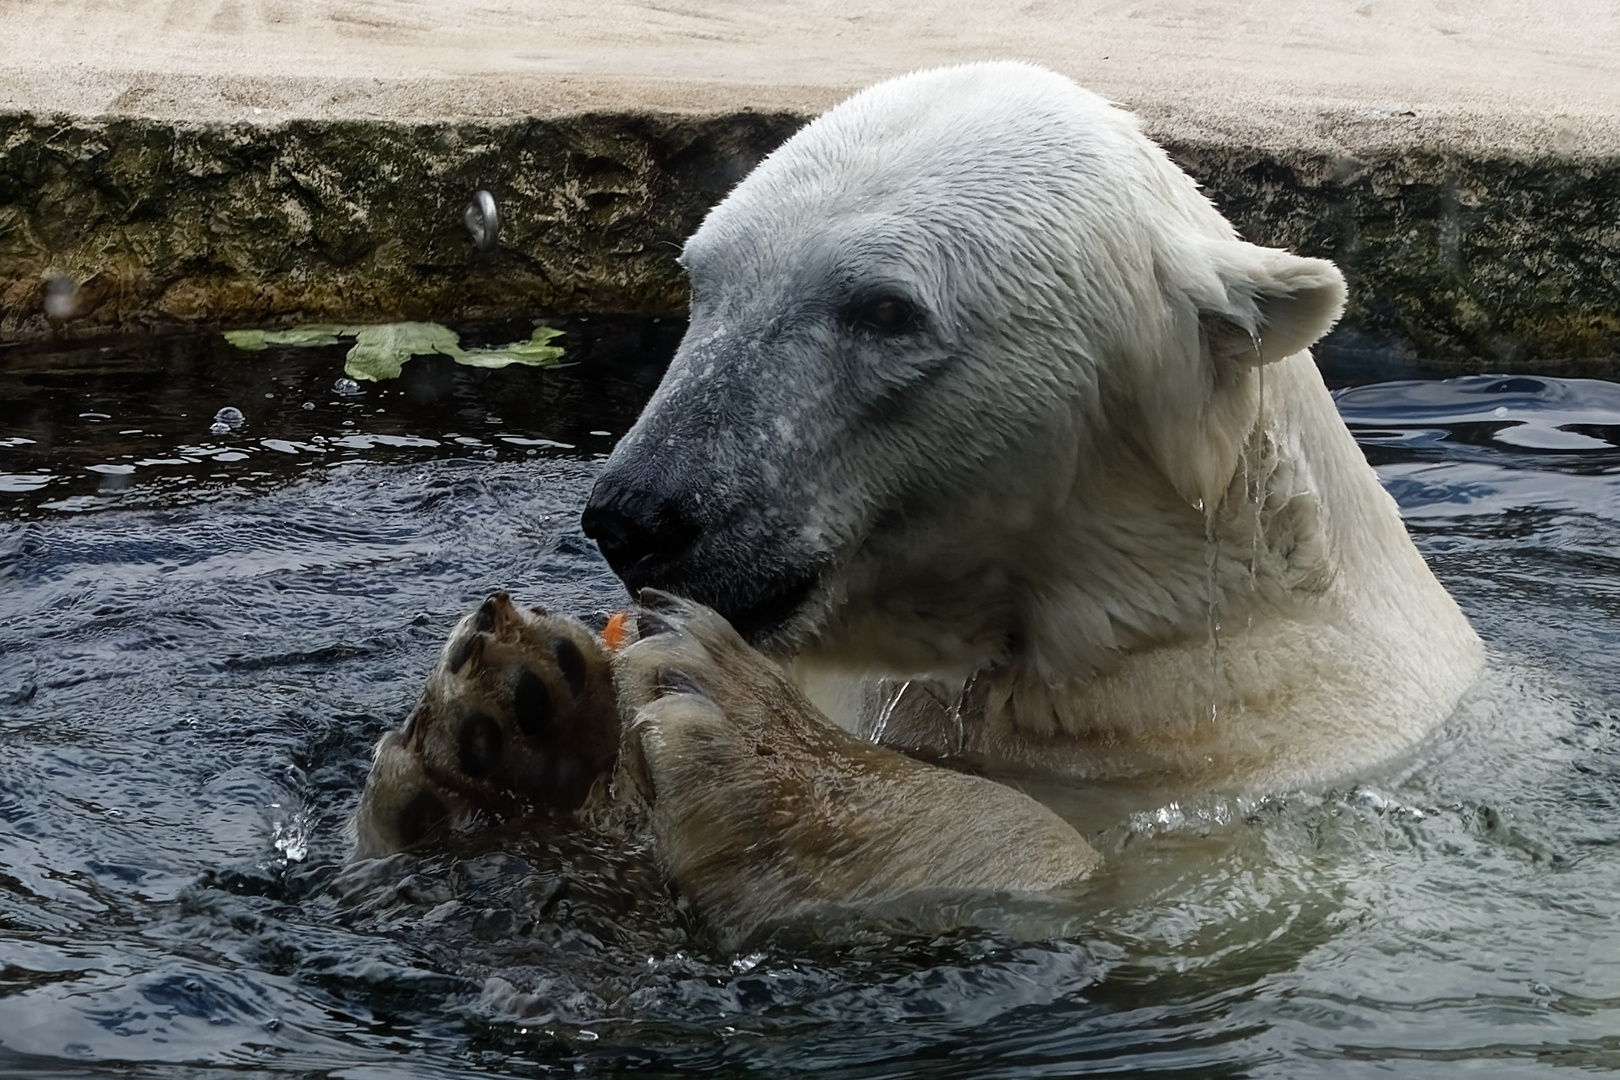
483,221
230,416
309,406
491,452
218,428
61,298
346,386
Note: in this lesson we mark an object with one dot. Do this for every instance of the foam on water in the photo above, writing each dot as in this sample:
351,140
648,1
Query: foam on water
197,653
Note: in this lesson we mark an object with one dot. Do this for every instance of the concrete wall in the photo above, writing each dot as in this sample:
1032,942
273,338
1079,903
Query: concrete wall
1466,260
144,224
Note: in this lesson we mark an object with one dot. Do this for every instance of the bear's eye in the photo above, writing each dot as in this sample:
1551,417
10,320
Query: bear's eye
885,313
572,663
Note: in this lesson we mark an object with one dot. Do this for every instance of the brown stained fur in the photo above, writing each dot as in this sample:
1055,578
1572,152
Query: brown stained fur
762,811
517,720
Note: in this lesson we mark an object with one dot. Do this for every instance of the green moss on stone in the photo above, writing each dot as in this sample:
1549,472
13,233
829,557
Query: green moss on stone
164,225
1472,262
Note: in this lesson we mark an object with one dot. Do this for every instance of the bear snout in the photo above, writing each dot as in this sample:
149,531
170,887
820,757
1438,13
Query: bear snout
638,530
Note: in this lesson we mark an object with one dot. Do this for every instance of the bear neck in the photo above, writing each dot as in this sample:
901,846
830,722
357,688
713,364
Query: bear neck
1225,644
1129,634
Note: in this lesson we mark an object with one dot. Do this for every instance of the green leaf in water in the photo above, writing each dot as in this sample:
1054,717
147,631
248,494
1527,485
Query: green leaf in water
379,352
535,352
310,336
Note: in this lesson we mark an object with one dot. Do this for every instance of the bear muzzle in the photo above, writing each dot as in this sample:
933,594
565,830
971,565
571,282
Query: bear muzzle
652,540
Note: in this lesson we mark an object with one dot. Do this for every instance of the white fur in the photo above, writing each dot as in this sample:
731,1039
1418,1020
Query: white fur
1105,474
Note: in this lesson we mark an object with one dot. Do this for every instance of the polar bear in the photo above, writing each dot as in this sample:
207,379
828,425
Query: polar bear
981,398
979,389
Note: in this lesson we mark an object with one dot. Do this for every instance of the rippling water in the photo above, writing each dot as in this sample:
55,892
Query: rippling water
202,634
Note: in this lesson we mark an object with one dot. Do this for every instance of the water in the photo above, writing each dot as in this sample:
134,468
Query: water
202,633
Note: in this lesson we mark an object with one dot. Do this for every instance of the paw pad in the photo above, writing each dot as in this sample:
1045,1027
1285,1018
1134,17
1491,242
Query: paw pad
519,717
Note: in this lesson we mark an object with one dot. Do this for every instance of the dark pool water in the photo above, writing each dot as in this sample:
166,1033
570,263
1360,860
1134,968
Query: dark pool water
202,634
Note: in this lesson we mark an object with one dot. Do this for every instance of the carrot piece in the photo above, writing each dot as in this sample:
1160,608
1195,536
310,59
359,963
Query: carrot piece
616,634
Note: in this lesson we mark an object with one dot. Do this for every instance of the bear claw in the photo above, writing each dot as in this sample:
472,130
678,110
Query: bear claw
672,681
660,601
651,624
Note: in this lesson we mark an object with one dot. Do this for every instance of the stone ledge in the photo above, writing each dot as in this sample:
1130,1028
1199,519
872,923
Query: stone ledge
1467,260
158,225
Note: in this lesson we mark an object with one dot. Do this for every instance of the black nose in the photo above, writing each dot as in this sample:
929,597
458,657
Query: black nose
640,532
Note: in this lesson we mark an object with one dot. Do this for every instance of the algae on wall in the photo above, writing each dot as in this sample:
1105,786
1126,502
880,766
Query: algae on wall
139,223
122,224
1472,262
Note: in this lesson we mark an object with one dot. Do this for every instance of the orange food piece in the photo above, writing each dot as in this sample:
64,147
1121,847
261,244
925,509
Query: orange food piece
616,634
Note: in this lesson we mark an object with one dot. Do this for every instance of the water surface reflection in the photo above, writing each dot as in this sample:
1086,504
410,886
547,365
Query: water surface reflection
202,634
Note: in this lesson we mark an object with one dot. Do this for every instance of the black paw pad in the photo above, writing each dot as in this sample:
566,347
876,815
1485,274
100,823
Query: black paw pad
531,704
568,781
424,813
480,746
572,664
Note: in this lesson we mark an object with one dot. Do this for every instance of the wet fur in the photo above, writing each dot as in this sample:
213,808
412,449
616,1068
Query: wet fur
518,719
765,811
1097,472
762,811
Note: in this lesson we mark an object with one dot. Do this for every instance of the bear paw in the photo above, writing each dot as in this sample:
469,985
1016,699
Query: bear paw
764,811
517,719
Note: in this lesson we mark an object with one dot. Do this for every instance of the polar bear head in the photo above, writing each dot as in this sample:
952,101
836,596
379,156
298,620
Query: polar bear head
933,336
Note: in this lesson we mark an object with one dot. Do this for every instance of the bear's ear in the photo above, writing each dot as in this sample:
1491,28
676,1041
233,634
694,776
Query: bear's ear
1270,304
1253,306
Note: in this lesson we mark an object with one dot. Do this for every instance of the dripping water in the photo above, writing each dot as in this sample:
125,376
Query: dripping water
1257,475
887,713
1212,560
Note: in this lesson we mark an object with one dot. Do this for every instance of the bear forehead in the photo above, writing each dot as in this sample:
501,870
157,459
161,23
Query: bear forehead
911,160
966,126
